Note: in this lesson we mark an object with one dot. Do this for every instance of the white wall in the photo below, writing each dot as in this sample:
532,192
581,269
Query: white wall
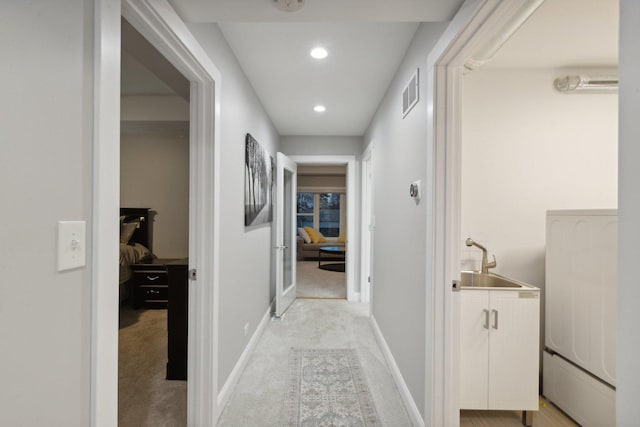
154,173
321,145
153,108
45,176
399,238
322,181
628,372
246,288
528,148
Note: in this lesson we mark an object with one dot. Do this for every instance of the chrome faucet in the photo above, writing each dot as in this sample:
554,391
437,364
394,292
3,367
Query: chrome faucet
485,264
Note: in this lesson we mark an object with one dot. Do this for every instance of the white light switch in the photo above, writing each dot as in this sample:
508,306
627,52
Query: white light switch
71,244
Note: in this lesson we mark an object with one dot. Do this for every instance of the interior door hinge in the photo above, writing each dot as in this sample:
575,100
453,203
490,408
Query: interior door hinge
193,274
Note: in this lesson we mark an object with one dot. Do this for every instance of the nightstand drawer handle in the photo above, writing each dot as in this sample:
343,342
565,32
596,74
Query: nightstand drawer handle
151,291
153,278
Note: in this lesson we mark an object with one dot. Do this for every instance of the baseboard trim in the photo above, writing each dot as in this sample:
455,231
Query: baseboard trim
227,388
409,403
355,297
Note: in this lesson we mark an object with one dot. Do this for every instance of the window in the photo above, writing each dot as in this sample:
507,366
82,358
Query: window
330,214
323,211
305,209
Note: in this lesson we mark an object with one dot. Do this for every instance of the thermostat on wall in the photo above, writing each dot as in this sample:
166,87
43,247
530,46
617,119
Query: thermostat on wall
414,190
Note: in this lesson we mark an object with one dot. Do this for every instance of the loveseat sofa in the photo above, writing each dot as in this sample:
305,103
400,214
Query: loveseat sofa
310,250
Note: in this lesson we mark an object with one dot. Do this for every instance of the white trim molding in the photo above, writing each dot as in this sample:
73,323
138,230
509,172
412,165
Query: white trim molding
163,28
106,210
352,196
405,394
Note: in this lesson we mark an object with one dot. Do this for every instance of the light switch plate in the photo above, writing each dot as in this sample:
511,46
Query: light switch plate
71,244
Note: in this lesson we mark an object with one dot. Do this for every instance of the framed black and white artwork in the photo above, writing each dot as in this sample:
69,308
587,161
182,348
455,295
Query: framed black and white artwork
258,183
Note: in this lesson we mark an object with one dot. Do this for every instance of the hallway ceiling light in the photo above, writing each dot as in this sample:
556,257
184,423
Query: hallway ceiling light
288,5
319,109
319,53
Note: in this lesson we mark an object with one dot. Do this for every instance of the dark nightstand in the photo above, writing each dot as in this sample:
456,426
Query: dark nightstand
151,284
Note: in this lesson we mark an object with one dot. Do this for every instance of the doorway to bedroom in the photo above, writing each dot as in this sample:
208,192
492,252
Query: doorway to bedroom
154,201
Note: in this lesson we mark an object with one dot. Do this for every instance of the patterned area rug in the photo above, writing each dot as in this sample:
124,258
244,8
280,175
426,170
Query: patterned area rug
327,388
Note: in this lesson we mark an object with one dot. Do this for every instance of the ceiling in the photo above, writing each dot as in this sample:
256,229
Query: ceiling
564,34
145,71
350,82
367,40
317,11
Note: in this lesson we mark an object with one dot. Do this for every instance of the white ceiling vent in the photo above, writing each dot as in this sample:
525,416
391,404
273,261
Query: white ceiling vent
288,5
410,94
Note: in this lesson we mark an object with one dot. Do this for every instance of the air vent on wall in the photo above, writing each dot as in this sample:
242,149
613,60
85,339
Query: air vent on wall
410,94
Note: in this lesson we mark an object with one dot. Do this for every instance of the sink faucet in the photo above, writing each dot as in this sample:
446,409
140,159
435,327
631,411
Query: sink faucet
485,264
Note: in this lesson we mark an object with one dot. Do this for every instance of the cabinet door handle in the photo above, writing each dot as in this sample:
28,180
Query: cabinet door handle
495,319
153,278
486,319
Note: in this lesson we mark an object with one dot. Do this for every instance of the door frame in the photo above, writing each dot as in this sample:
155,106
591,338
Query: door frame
366,224
162,27
352,196
477,23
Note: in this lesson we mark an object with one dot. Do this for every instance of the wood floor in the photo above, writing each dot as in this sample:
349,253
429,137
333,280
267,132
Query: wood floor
547,416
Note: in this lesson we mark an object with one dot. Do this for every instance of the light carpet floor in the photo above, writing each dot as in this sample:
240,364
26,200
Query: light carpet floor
258,398
314,282
145,397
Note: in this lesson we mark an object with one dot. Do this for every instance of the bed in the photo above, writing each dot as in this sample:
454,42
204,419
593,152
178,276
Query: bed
135,244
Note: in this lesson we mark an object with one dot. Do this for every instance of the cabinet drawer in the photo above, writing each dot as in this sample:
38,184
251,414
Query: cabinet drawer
151,277
153,293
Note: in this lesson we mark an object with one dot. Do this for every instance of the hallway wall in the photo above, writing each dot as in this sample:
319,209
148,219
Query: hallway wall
46,176
399,237
246,280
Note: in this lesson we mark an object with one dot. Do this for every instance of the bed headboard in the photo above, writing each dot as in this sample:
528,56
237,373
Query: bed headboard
140,215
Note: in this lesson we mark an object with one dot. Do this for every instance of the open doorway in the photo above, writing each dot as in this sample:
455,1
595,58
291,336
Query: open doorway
332,207
154,200
321,220
543,150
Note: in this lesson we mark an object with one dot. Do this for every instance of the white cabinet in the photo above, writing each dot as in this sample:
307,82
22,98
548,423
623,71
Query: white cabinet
499,349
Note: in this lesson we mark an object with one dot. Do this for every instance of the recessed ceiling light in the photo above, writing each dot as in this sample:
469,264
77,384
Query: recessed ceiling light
319,109
288,5
319,53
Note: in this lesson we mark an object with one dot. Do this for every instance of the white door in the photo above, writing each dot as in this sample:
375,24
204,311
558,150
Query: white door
286,177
